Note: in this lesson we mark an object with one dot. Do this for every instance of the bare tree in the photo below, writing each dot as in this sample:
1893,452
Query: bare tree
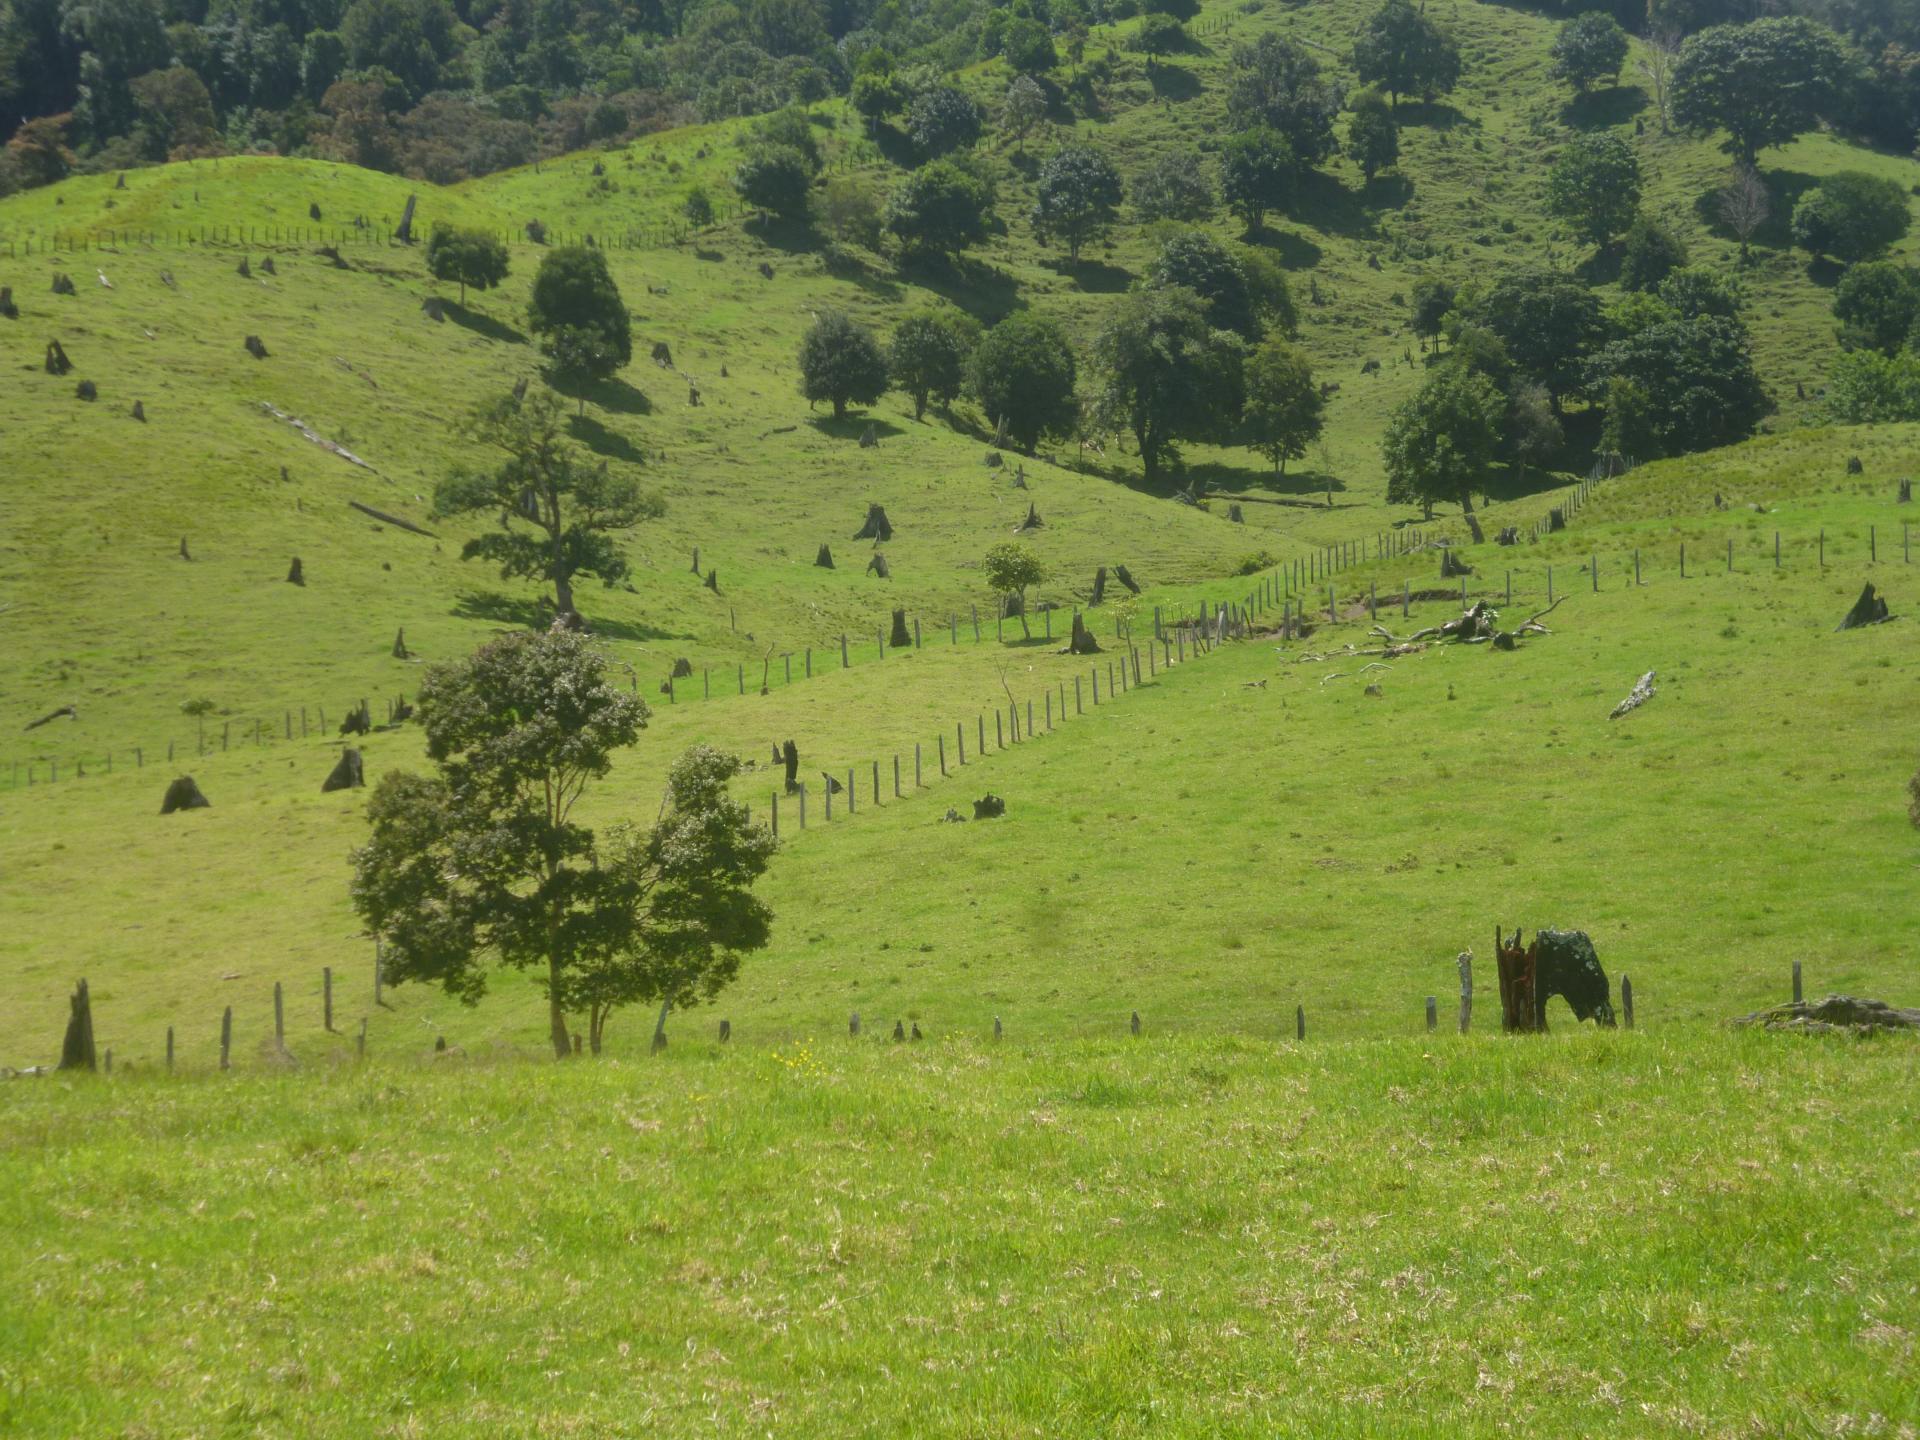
1656,62
1744,205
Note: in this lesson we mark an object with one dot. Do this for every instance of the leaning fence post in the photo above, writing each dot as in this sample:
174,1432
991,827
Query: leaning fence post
1299,1022
226,1035
326,992
1466,990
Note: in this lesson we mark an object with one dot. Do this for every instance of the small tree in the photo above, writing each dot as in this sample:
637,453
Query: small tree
1257,173
775,179
697,208
1658,55
558,514
928,357
1868,388
577,310
1174,187
1373,139
1077,197
1284,410
940,209
1764,83
1439,444
943,119
1744,205
1276,82
1590,48
1695,290
1433,300
1028,46
1158,35
1023,375
1024,107
841,362
1851,216
468,257
877,90
1400,48
1533,432
1196,260
1650,252
1169,374
1877,303
579,356
1595,186
1012,569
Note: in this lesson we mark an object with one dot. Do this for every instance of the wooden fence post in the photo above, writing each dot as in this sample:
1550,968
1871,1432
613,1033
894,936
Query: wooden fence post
226,1035
916,765
1796,982
896,779
773,809
1466,990
1299,1022
1626,1000
1433,1012
361,1047
942,740
326,992
279,1017
169,1049
803,806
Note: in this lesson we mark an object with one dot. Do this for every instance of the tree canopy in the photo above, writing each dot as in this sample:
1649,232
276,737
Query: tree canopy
468,257
1276,82
775,180
1373,138
577,311
1257,174
1174,186
1196,260
1441,442
940,209
841,362
1651,250
943,119
1695,379
1284,410
1590,48
1764,83
1168,374
1023,374
1595,186
1402,50
929,353
1851,215
1877,304
1076,198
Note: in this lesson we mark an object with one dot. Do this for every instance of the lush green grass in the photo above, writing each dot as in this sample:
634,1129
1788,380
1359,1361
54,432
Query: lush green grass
1626,1234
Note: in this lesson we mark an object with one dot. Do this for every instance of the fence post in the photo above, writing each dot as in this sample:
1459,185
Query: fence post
852,790
326,991
226,1035
1796,982
1299,1022
803,806
1626,1000
773,809
896,780
1433,1012
960,741
942,741
916,764
844,662
169,1049
279,1018
1466,990
1776,549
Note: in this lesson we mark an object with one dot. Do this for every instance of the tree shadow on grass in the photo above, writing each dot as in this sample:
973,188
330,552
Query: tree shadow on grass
1323,203
987,294
483,324
1603,266
794,237
1784,189
602,441
1294,252
1432,114
1603,109
528,614
856,424
1091,277
1175,83
1387,192
1241,480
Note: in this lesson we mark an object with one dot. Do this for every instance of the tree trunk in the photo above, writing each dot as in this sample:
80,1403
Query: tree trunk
839,408
556,1017
563,594
920,405
463,294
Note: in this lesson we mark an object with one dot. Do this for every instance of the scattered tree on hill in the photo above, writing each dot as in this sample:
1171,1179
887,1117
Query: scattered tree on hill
579,356
1695,290
1869,388
1698,382
1168,374
1650,252
1158,35
1077,197
942,120
1027,46
468,257
1277,83
1851,216
577,310
1590,48
1744,205
1440,443
940,209
1174,187
1257,174
697,208
1659,53
1013,569
1401,49
1595,186
1373,139
791,129
1284,411
1200,263
1549,323
1023,375
878,91
1433,299
775,179
1764,83
928,357
1533,433
1024,107
841,362
558,513
1877,303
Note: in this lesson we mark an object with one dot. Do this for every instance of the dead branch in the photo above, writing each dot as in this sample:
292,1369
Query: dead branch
1641,693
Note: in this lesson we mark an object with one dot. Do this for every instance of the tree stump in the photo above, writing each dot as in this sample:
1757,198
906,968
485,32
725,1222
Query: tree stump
1869,609
1099,585
869,438
348,773
916,1031
1556,519
140,412
7,308
1082,642
405,233
183,794
358,722
1854,467
183,549
400,651
1236,515
682,667
87,390
1032,522
713,580
662,355
57,362
295,576
246,270
1125,577
877,565
76,1047
900,639
1452,566
255,348
899,1031
824,560
434,308
313,210
790,758
402,711
1509,535
989,807
63,284
1904,498
994,460
878,528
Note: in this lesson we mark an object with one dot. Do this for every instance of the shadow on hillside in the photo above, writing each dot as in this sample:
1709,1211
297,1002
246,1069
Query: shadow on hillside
1091,277
1784,189
1294,252
1602,267
1387,192
1603,109
1824,272
791,237
602,441
895,147
615,395
987,294
1173,83
1323,203
1299,486
1430,114
483,324
855,425
524,614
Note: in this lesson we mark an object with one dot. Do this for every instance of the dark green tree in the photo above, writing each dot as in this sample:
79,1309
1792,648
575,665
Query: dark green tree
1764,83
1401,49
1877,304
1549,322
1076,198
1696,290
1533,433
1373,139
1200,263
1440,443
1028,46
1651,250
409,39
558,513
1174,186
942,120
1851,216
1433,300
1257,174
1595,186
940,209
792,129
1276,82
775,180
1167,374
1284,411
467,257
929,353
577,311
1023,375
1697,378
1158,35
841,362
1590,48
878,90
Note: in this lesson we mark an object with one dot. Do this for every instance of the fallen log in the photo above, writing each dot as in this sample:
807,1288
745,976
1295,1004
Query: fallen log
1641,693
393,520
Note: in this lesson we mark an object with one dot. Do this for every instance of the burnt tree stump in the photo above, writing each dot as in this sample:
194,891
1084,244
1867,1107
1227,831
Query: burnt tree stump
877,565
900,639
824,560
1236,514
713,580
76,1047
878,528
1082,642
1121,573
57,362
63,284
7,308
359,720
790,758
1099,585
989,807
400,651
140,411
348,773
183,794
1452,566
1869,609
1032,522
295,575
256,348
1905,496
682,668
87,390
246,270
1854,467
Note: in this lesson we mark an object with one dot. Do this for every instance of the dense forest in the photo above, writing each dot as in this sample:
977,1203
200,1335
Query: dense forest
444,91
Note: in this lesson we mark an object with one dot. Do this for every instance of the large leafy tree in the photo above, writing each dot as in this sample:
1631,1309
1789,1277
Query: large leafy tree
1590,48
1595,186
1174,186
1257,174
1439,444
928,356
1076,198
841,362
1549,323
1168,374
775,180
1695,379
1764,83
1433,301
1651,251
1276,82
558,513
468,257
939,209
943,119
1284,410
1877,304
1023,374
1401,49
1373,139
1196,260
410,39
1851,216
577,311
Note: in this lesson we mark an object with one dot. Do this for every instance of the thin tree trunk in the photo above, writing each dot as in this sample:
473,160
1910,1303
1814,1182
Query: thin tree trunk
556,1017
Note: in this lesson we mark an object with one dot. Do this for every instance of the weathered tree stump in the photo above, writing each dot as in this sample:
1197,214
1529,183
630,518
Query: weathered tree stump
183,794
1452,566
1082,642
140,412
57,362
877,565
682,667
1556,519
434,308
916,1031
1869,609
400,651
402,711
295,575
869,438
662,355
989,807
790,758
878,528
824,560
255,348
313,210
1032,522
246,270
1125,577
8,309
63,284
1905,496
184,555
1099,585
405,233
713,580
358,722
899,1030
87,390
1236,514
348,773
1508,535
1854,467
76,1047
901,638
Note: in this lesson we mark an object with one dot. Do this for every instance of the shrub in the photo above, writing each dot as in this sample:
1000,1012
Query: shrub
1850,216
1263,560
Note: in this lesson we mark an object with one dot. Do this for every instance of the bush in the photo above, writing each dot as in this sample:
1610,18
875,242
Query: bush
1651,253
1159,35
1877,303
1175,187
775,179
841,362
1256,562
1850,216
942,120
